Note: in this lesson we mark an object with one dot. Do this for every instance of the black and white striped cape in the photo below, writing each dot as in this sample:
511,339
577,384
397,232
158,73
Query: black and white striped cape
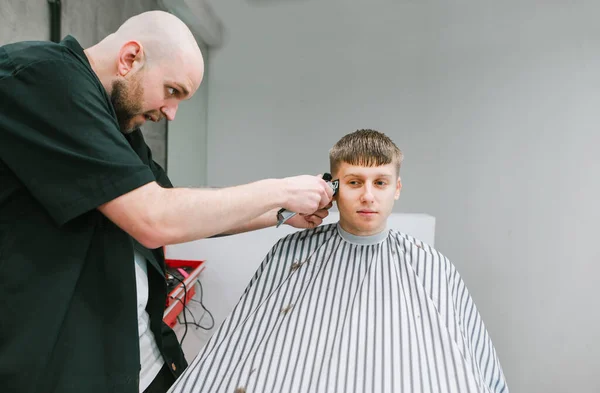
331,312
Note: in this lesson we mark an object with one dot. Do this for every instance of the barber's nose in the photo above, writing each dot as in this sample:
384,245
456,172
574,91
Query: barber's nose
169,111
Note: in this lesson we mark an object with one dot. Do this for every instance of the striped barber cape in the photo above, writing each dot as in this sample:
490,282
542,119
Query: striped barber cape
328,311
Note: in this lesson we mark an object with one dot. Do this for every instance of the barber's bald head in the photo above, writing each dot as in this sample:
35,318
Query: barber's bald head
163,35
148,66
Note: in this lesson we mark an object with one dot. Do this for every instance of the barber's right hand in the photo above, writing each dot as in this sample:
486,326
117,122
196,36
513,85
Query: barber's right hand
306,194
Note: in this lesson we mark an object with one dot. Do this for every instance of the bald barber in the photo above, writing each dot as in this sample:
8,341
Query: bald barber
85,211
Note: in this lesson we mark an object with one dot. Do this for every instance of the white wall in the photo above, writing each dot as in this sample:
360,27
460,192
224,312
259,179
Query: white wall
495,105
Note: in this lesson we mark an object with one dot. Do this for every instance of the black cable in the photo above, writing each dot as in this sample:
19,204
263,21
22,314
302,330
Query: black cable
190,323
204,308
196,323
183,303
185,308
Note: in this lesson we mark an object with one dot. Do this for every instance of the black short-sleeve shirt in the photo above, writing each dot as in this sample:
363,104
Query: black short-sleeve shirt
67,278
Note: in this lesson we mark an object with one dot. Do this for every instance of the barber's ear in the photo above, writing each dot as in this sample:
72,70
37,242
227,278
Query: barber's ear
398,188
131,58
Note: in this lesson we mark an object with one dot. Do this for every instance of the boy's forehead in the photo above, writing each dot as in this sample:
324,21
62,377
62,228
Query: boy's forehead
346,169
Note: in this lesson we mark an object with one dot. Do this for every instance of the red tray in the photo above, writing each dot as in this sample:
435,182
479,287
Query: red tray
175,298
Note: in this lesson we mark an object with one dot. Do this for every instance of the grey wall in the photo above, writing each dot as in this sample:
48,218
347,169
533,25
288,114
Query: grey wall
495,105
187,137
24,20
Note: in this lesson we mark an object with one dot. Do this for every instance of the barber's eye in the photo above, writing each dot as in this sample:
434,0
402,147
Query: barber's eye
171,91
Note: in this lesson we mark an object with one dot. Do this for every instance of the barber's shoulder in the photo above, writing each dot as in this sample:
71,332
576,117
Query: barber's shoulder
17,56
50,61
24,54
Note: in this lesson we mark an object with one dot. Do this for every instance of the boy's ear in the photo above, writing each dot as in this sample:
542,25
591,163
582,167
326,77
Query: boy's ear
398,188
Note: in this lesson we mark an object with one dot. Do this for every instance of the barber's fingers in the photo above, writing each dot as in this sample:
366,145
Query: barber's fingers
327,195
306,193
313,220
323,213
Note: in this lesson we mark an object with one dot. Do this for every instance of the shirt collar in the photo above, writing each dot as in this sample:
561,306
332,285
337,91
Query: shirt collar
363,240
71,43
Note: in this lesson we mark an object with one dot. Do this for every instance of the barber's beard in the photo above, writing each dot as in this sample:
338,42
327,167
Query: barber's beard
126,98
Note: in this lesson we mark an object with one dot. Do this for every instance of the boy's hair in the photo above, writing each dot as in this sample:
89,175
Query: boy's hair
365,148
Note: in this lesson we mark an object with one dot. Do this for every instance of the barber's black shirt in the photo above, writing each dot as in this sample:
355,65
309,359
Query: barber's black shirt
68,309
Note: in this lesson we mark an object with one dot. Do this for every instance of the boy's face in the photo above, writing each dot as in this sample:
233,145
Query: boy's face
366,196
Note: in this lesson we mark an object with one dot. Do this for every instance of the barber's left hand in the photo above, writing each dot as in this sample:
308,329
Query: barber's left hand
311,220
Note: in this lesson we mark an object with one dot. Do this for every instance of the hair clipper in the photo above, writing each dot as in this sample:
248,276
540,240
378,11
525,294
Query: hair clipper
283,214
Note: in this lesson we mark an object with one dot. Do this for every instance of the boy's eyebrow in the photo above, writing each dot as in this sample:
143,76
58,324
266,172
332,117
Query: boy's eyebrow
359,175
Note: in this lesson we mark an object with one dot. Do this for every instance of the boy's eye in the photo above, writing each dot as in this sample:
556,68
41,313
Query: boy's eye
380,183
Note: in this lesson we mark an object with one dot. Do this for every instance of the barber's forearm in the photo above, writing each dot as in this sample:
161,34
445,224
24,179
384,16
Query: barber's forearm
190,214
265,220
156,216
